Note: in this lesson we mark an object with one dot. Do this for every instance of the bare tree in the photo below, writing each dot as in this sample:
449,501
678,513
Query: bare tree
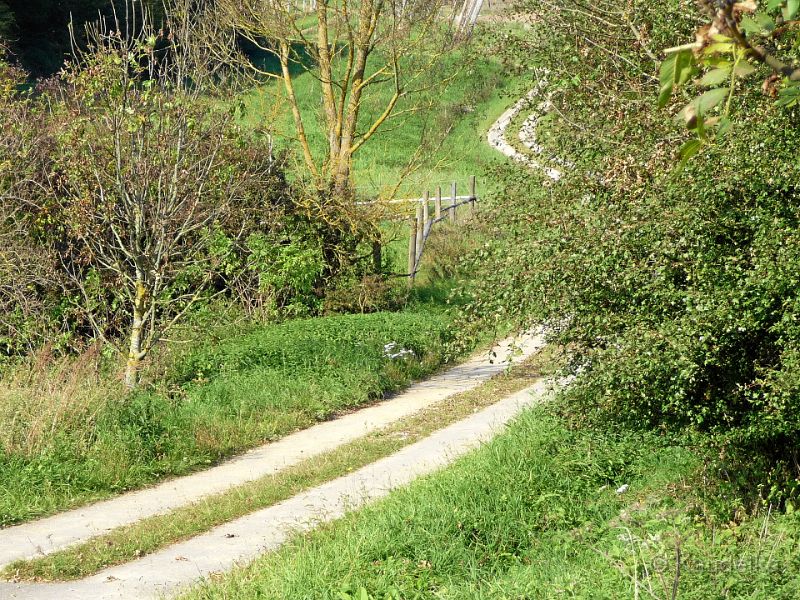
351,47
143,184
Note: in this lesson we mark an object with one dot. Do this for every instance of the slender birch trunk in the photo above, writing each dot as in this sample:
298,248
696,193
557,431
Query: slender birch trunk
135,353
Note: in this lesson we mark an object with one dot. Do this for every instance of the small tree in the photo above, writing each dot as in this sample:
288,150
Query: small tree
351,47
142,184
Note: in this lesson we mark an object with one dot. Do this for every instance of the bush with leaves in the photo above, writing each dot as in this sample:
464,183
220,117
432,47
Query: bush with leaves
30,285
144,174
742,39
130,198
677,290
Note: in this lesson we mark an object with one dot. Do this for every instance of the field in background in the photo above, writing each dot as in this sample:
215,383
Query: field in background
447,138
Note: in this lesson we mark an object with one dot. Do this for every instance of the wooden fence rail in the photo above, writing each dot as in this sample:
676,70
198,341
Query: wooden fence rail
445,208
422,224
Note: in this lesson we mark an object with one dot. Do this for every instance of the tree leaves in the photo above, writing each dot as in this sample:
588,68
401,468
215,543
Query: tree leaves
758,24
676,70
687,151
716,76
789,96
702,105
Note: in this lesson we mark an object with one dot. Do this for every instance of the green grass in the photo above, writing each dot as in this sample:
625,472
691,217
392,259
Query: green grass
144,537
223,396
535,514
70,437
473,92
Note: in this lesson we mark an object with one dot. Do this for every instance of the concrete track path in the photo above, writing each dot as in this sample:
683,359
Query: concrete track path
47,535
168,571
242,540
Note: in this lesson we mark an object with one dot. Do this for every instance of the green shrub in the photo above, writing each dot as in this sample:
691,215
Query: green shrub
677,290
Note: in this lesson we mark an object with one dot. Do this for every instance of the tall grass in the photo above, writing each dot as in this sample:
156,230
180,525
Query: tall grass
45,396
70,437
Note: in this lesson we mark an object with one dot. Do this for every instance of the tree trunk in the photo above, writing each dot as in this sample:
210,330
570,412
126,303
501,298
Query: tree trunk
135,353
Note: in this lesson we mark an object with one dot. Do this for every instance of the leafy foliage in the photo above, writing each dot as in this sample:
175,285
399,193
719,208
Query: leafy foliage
676,291
740,38
130,199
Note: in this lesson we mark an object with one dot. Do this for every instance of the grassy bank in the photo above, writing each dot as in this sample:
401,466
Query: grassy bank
440,131
83,439
127,543
541,513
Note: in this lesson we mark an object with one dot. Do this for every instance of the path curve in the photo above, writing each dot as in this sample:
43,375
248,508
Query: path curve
47,535
243,539
497,133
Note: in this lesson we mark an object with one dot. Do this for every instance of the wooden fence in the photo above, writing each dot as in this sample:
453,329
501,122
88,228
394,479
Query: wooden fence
431,209
422,226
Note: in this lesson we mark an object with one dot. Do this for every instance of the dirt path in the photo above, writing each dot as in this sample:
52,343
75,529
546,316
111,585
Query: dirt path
244,539
537,103
44,536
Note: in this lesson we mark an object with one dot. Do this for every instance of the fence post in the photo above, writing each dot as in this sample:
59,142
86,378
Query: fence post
412,253
420,233
426,200
473,194
438,203
453,201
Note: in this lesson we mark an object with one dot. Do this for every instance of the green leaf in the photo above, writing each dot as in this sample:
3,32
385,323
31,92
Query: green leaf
759,24
719,48
701,105
791,10
710,99
767,23
715,77
676,70
689,149
664,95
749,25
788,96
724,126
743,69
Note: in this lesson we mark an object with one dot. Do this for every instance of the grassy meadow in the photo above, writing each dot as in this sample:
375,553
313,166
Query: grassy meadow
126,543
436,138
83,439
